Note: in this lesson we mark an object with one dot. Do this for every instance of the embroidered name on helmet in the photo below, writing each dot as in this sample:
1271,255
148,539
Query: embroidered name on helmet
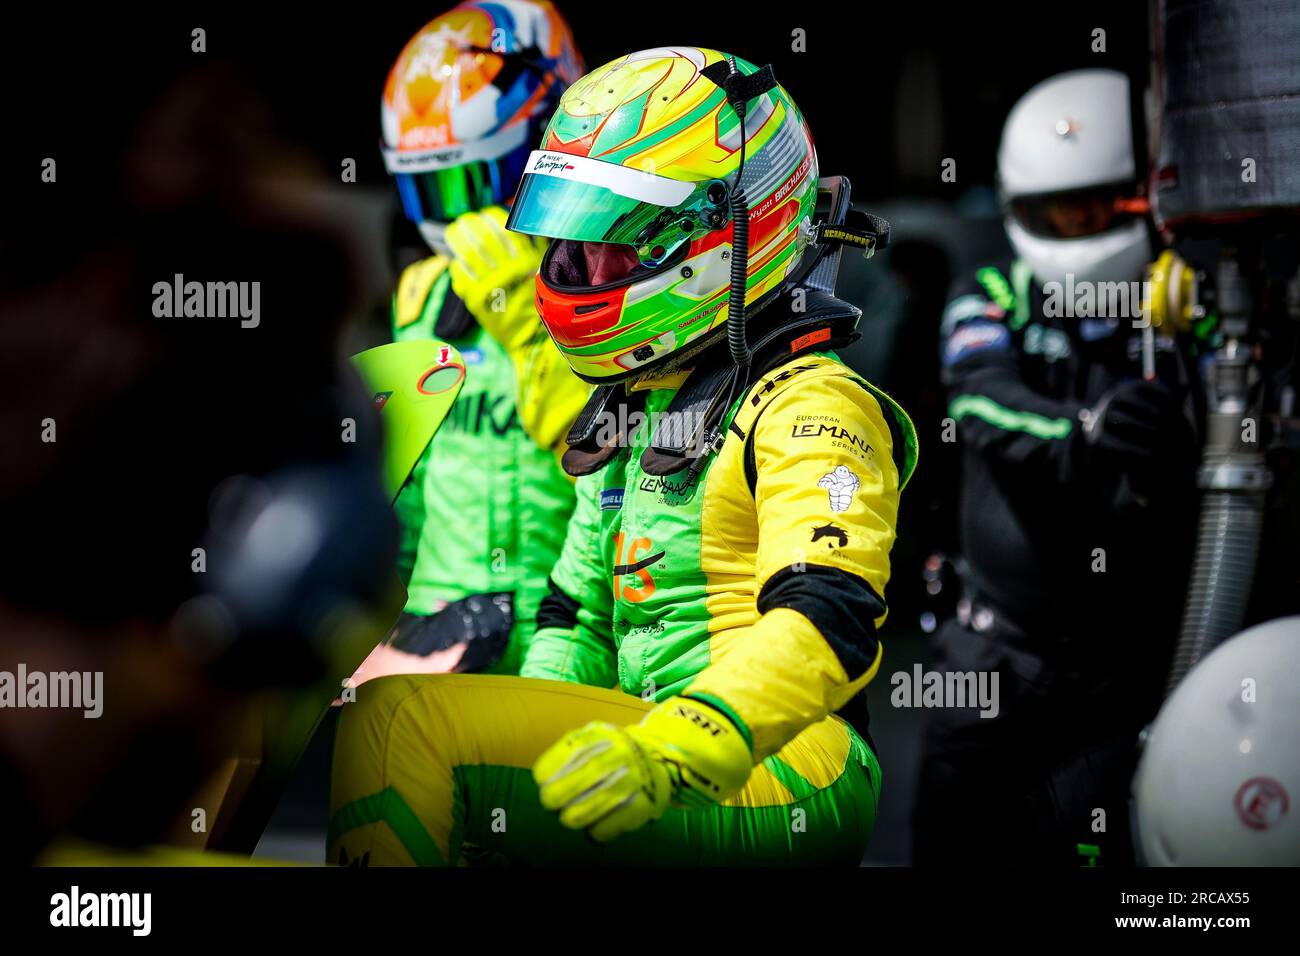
399,162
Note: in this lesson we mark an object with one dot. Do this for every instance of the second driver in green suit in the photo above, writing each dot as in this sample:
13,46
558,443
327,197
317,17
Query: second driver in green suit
484,513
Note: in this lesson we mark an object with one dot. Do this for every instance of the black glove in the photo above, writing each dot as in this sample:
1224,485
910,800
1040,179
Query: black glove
1136,423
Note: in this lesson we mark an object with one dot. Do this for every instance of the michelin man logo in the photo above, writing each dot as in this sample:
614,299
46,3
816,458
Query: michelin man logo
840,485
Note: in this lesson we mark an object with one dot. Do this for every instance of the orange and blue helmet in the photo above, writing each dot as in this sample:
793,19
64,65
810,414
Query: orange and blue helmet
467,100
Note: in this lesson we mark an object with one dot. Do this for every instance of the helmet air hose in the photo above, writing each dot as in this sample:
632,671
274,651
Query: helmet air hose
736,338
740,89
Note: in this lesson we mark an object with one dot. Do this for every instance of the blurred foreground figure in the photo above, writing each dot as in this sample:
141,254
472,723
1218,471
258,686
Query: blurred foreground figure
719,592
484,513
186,529
1077,499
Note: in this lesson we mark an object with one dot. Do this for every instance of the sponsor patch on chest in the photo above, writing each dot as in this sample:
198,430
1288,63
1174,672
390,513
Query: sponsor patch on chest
975,336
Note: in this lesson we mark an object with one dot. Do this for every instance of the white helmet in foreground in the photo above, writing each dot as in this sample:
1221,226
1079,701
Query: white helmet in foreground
1068,179
1220,775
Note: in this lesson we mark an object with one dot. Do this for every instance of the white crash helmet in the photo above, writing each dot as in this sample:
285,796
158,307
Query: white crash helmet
1219,777
1065,170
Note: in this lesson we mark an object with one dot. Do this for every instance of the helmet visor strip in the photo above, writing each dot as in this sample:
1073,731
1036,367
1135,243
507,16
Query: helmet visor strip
444,194
586,200
1075,214
442,183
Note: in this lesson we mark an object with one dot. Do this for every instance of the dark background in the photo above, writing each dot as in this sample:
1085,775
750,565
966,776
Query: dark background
888,89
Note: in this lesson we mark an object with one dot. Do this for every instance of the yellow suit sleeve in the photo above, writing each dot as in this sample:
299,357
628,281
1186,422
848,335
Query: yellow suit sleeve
826,496
549,395
494,272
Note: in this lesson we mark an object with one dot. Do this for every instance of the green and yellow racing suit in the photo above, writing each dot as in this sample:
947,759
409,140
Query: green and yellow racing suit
756,586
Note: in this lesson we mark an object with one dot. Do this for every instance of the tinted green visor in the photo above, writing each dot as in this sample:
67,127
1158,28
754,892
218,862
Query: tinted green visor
586,200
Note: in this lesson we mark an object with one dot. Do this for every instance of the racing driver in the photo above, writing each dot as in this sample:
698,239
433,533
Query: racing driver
721,585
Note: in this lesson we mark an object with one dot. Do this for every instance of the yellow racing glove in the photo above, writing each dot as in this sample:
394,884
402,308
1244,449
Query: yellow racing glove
492,271
608,780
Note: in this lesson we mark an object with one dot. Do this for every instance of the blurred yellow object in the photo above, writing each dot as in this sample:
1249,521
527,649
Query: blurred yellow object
493,272
413,288
492,269
78,853
1172,284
